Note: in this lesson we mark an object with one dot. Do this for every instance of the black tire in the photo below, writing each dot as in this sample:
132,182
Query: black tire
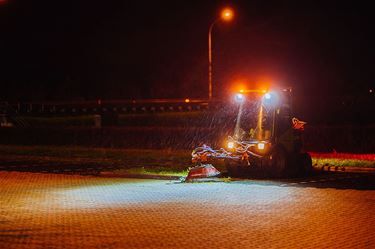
278,162
233,168
274,165
306,164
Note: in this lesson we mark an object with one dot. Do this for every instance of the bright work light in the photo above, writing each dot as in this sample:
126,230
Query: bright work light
230,145
239,97
260,146
270,98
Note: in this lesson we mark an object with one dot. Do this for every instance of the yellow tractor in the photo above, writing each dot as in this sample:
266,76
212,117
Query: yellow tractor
266,142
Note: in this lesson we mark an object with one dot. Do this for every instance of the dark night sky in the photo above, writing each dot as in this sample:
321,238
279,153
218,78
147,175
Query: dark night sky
53,50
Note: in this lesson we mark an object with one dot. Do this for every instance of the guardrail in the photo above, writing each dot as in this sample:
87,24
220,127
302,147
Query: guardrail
114,106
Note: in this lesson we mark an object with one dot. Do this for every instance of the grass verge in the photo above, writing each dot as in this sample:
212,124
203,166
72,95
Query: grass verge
343,162
135,160
163,171
343,159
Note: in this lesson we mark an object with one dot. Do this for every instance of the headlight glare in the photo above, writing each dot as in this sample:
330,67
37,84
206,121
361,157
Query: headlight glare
230,145
261,146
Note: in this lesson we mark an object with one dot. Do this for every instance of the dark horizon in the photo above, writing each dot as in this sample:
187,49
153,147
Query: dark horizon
64,50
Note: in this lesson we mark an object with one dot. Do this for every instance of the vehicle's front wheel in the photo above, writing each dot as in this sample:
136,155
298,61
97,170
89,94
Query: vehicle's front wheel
277,165
232,168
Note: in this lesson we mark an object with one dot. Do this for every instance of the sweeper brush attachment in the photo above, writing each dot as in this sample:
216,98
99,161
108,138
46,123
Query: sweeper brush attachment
202,172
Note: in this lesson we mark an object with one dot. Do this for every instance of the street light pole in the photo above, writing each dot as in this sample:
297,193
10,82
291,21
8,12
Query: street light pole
210,60
226,15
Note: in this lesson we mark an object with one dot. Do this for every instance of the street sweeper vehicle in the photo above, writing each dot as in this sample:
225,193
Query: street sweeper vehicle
266,142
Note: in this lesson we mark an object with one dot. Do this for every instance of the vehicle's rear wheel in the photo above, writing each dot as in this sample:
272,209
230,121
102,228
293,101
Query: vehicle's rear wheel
305,163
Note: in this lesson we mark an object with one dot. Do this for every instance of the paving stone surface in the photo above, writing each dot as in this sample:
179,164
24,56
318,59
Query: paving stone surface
66,211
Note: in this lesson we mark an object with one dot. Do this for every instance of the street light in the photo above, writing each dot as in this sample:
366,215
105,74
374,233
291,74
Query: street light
225,15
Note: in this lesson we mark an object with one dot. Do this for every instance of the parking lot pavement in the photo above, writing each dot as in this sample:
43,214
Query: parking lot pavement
67,211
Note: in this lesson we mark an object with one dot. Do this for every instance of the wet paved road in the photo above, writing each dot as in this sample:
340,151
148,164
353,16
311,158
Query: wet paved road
68,211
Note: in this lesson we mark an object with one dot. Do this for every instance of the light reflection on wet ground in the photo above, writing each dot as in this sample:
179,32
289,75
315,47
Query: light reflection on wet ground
65,211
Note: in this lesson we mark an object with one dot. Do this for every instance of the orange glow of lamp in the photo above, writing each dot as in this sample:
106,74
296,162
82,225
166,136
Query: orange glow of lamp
227,14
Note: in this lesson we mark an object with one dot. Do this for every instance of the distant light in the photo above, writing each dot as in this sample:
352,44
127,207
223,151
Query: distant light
242,90
230,145
239,97
261,146
267,96
370,91
187,100
227,14
264,91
